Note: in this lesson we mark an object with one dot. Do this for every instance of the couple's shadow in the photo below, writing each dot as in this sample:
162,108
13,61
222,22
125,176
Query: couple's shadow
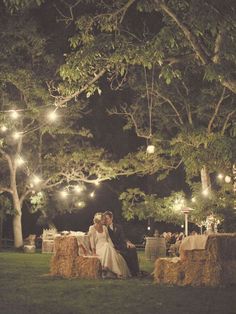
107,274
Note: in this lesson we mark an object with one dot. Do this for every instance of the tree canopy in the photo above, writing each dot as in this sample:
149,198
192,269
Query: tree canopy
175,63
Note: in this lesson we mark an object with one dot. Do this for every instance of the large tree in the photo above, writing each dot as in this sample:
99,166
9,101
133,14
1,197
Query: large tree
177,58
41,146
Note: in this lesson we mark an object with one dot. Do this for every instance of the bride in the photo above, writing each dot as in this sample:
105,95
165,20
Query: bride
102,247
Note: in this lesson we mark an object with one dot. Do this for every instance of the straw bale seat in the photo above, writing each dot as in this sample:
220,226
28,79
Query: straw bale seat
213,266
67,261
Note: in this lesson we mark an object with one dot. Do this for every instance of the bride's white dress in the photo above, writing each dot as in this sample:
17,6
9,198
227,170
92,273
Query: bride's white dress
109,257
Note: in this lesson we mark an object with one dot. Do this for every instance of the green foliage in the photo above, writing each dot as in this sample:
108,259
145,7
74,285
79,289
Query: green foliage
15,5
136,203
197,149
37,201
5,205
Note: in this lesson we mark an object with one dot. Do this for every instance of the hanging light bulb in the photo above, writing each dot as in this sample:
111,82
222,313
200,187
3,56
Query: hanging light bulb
14,114
227,179
220,176
151,149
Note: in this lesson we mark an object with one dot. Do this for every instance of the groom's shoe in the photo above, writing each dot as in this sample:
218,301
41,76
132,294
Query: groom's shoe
104,274
111,275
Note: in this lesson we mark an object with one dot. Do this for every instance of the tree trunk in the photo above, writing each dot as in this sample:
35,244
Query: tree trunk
205,179
211,225
17,226
1,224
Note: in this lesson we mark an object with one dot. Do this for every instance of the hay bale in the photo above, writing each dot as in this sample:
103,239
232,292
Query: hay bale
63,266
47,246
194,256
66,246
68,264
214,266
66,251
229,272
222,246
168,271
201,273
88,267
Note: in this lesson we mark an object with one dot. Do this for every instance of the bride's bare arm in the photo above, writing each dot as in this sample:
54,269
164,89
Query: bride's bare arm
92,234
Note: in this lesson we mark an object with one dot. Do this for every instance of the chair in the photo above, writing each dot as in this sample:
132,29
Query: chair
48,237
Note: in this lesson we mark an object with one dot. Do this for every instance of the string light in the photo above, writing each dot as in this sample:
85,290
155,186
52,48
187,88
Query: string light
179,203
64,194
19,161
14,114
92,194
16,135
193,199
3,128
36,179
78,189
97,183
52,116
81,204
227,179
205,192
220,176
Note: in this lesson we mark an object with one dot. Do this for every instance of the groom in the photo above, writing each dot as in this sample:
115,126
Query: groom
126,248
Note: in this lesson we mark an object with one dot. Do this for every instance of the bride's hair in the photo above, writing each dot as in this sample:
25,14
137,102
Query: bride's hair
97,217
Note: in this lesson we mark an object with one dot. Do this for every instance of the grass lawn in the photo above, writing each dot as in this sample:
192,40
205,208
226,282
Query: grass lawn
26,288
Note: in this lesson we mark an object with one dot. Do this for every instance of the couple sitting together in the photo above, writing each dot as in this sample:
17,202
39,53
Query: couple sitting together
117,255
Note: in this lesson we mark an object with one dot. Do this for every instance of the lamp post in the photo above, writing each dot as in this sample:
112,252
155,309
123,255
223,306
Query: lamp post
186,211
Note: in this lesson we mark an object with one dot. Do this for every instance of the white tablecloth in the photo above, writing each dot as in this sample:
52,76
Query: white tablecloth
194,242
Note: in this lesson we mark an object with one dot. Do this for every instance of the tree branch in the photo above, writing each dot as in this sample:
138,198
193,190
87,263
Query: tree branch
217,107
226,121
218,45
5,189
168,100
188,34
179,59
7,158
24,195
130,116
60,101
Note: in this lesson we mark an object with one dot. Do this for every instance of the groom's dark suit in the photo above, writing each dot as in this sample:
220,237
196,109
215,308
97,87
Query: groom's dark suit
130,254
